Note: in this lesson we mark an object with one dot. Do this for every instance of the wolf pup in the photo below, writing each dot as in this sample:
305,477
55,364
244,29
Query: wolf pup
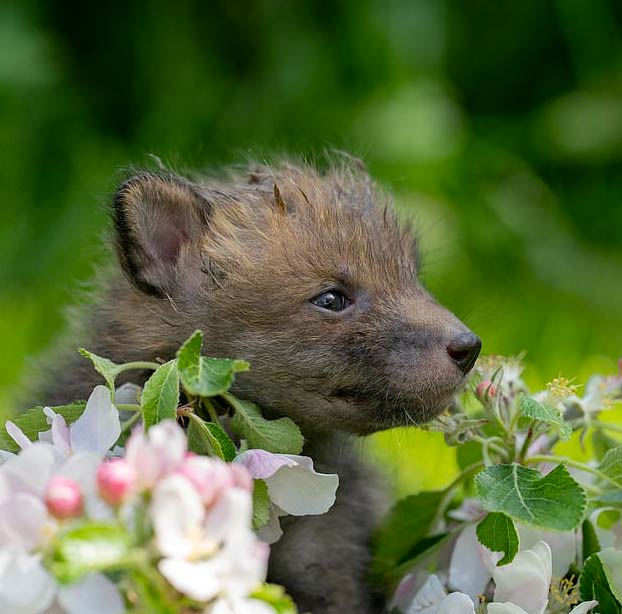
310,278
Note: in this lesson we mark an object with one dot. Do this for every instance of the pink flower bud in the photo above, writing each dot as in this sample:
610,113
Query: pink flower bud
209,476
116,480
241,477
63,498
486,389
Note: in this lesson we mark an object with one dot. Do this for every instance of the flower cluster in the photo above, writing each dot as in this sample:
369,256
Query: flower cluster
95,520
522,530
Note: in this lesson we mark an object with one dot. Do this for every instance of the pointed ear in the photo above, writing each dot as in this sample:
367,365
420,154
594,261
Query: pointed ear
159,221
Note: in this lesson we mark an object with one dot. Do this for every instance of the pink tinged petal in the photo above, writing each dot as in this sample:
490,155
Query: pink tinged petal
300,491
148,464
199,581
505,608
456,603
525,581
262,464
177,514
584,607
471,566
169,441
60,434
22,520
209,476
98,428
241,477
17,435
25,586
429,597
96,594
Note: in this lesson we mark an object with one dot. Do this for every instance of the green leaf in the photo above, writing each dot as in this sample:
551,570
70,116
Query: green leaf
530,408
261,504
275,596
160,396
87,548
590,543
205,377
407,524
279,436
555,501
103,366
611,465
151,592
594,584
612,566
209,438
498,533
34,422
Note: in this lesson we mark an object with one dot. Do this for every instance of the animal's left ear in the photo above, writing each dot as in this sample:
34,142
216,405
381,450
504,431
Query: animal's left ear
159,221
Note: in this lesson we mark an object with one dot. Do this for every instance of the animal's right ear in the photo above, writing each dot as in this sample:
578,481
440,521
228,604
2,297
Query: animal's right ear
159,221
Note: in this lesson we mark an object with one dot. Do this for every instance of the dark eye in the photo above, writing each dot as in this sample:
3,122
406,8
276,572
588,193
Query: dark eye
333,300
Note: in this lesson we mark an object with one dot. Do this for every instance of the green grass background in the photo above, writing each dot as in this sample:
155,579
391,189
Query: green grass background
497,125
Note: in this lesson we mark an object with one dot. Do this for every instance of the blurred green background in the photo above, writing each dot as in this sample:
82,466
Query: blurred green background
497,124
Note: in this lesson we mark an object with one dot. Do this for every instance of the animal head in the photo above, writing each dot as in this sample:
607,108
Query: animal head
309,277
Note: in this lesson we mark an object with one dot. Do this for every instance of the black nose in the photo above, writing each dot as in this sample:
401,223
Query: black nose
464,350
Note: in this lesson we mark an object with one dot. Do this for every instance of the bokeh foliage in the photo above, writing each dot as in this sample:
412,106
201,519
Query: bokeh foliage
498,126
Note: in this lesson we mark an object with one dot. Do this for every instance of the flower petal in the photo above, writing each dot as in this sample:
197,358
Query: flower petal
17,435
429,597
271,532
584,607
300,491
60,434
96,594
25,586
525,581
563,544
471,566
504,608
262,464
199,581
31,470
98,428
456,603
177,513
21,522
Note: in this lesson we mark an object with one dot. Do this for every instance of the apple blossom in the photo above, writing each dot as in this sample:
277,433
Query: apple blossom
156,453
209,476
41,474
63,498
294,487
207,553
96,430
116,480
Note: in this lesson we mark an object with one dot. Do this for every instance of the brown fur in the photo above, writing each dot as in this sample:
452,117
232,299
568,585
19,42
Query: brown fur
241,259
